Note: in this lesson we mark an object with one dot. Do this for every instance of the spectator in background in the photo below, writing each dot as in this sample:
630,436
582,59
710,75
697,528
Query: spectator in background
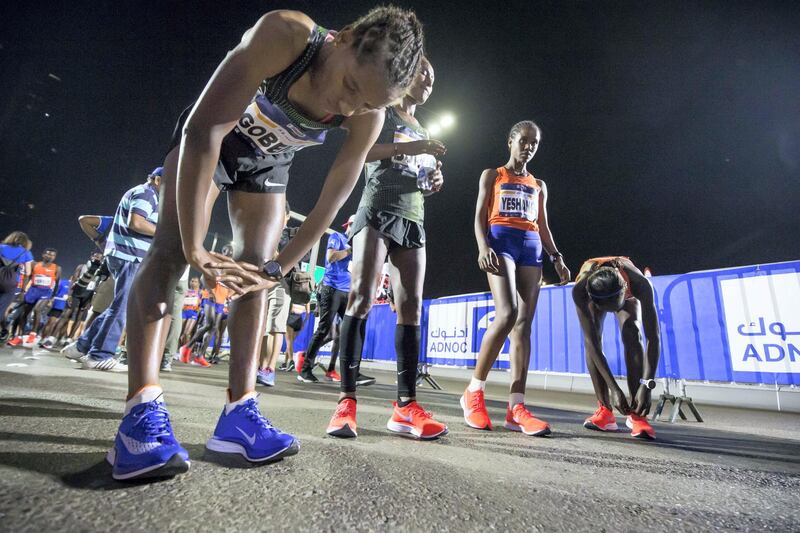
126,245
45,277
15,266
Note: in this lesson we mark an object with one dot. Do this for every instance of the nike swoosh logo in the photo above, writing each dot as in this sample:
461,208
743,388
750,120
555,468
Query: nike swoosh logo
250,439
136,447
352,366
270,184
403,372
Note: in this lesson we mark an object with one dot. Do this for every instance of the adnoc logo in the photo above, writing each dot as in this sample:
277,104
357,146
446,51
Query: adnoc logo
481,318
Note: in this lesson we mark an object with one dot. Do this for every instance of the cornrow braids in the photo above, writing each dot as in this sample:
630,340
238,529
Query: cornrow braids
519,126
393,33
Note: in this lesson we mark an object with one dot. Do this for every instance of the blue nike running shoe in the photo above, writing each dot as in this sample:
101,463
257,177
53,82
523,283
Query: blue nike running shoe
244,430
145,446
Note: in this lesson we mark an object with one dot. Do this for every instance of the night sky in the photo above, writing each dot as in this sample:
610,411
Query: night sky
671,130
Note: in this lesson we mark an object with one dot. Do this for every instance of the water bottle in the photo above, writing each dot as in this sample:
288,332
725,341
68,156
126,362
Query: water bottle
424,182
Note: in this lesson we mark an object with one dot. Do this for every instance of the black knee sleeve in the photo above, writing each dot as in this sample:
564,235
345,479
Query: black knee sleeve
406,347
351,342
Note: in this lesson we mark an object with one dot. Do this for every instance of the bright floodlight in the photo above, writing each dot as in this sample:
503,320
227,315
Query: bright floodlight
447,120
434,129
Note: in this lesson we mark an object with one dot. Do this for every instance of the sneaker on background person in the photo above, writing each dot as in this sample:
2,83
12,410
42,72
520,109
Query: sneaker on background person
266,377
343,421
413,420
199,360
602,420
518,418
306,376
109,364
333,375
363,380
474,406
640,427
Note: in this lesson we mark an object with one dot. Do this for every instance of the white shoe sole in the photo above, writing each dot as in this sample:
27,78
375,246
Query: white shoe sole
608,427
223,446
512,426
405,429
111,457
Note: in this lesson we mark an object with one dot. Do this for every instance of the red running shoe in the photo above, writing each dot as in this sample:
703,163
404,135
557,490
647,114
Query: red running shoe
300,359
416,421
200,361
640,427
602,420
186,354
520,419
16,341
475,413
333,375
343,421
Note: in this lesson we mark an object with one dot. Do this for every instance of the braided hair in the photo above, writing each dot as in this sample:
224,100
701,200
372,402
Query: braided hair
519,126
393,33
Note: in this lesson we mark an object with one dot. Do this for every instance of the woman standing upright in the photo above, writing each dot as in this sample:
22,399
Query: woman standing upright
389,222
511,229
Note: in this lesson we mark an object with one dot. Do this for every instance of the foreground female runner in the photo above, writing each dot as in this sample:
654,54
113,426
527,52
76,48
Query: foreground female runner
285,84
511,228
389,221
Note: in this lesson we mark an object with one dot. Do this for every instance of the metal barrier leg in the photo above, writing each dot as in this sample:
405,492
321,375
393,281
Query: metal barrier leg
676,409
424,375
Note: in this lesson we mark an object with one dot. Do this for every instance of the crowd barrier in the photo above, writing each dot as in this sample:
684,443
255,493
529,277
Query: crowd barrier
729,325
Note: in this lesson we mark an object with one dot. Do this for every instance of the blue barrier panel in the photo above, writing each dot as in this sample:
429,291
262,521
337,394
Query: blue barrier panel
379,342
738,324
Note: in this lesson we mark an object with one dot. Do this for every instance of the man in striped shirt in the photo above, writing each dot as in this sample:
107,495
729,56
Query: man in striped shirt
126,245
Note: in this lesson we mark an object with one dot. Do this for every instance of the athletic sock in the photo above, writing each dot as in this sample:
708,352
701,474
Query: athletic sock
146,394
406,347
230,406
476,384
514,398
351,343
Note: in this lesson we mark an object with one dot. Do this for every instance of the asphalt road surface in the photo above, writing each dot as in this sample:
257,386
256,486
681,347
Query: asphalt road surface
738,471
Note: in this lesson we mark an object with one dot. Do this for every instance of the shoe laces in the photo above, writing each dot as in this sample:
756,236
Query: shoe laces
155,420
416,409
253,414
520,412
344,408
477,401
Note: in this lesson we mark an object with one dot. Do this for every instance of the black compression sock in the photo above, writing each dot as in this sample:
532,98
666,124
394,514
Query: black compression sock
406,347
351,343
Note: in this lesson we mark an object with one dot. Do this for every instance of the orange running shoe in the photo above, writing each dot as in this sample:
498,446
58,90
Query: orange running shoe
416,421
200,361
343,421
16,341
602,420
186,354
640,427
475,413
300,359
333,375
520,419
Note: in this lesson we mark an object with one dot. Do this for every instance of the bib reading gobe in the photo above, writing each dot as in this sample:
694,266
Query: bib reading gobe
269,131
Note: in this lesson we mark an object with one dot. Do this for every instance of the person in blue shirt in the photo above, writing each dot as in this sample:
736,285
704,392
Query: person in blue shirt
15,261
331,299
126,245
96,227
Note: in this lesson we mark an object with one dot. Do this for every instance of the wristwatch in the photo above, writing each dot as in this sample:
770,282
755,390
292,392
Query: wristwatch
649,383
554,256
273,270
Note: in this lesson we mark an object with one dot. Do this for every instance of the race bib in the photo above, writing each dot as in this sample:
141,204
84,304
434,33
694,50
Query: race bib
519,201
410,164
268,130
191,301
40,280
